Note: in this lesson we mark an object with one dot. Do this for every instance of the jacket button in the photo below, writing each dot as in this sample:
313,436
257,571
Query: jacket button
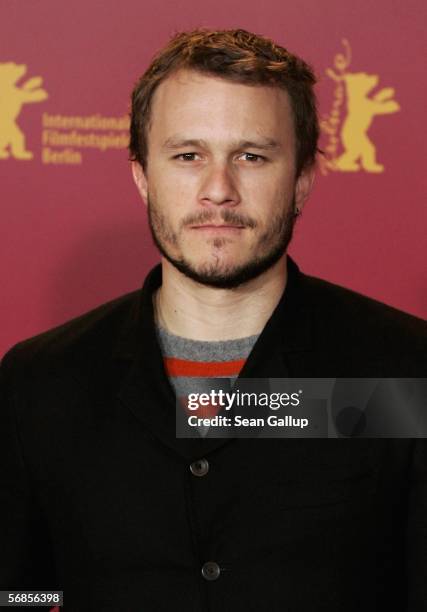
211,570
199,467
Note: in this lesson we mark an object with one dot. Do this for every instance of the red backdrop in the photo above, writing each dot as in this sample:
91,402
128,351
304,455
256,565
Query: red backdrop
74,233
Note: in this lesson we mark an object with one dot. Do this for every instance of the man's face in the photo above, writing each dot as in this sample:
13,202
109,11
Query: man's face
220,177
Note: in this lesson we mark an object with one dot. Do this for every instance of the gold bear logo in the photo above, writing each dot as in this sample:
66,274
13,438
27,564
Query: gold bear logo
357,149
12,98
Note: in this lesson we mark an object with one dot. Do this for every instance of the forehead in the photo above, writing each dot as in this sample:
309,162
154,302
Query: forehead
191,101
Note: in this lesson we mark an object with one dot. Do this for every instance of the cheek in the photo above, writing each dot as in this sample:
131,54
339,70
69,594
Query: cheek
267,204
269,189
171,191
282,195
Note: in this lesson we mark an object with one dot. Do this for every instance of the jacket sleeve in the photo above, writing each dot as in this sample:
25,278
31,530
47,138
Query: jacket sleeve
25,554
417,530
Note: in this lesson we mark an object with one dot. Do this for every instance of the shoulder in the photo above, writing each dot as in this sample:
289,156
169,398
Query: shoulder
364,326
359,309
80,342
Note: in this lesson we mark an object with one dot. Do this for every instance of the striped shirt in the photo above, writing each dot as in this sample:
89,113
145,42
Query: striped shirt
191,364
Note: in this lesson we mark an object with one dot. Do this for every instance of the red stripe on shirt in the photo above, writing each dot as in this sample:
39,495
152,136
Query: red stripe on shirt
184,367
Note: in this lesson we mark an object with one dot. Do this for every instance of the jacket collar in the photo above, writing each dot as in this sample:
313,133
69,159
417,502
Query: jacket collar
146,389
291,319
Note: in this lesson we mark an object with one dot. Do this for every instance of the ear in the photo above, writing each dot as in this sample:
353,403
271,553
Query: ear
303,186
140,180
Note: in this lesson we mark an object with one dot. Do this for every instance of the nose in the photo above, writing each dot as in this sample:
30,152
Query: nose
219,186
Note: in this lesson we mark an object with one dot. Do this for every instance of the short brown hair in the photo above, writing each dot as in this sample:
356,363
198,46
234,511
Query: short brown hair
239,56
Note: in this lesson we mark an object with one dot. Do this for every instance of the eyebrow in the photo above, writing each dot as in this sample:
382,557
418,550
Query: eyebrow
267,144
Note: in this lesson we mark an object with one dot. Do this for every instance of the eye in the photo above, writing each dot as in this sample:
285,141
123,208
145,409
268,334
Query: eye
185,156
252,157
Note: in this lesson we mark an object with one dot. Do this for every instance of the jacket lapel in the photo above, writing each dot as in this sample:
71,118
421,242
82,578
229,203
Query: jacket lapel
146,389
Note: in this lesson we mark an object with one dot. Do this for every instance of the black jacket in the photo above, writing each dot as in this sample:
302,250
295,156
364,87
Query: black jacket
97,497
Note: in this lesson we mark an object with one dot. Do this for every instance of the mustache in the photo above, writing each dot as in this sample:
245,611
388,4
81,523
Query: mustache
227,216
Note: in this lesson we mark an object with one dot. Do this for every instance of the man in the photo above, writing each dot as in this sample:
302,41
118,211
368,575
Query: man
100,498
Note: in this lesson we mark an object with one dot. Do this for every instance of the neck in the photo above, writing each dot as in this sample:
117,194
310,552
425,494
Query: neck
198,312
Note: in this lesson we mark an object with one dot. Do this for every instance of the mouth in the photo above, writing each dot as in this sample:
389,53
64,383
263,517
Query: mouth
219,228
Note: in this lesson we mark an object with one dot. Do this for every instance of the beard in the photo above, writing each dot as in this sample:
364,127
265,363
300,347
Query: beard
271,245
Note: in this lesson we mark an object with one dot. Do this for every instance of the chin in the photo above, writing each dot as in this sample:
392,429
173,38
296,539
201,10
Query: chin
216,266
222,275
223,268
223,255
